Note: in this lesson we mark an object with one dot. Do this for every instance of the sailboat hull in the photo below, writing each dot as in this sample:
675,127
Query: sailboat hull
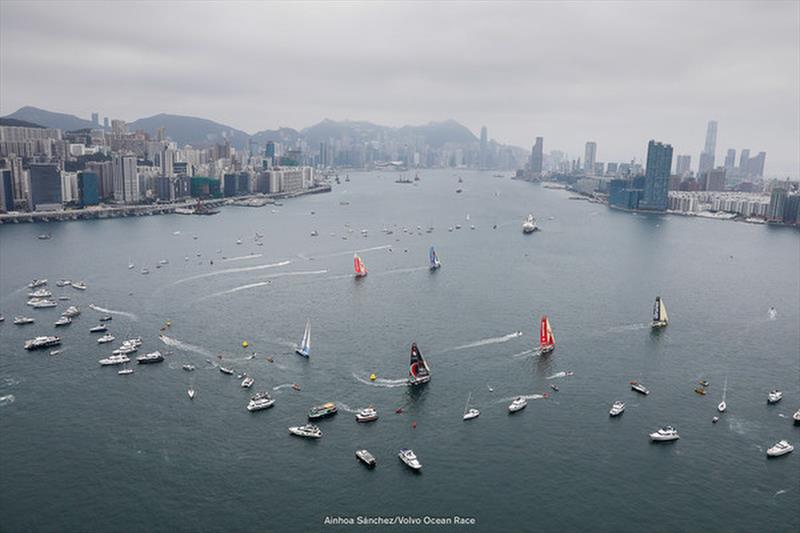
302,353
656,324
546,349
418,380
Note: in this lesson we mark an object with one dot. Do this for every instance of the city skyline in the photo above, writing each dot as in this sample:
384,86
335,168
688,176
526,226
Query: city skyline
483,80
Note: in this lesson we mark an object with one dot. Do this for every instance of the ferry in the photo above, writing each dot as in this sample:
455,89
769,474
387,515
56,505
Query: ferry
322,411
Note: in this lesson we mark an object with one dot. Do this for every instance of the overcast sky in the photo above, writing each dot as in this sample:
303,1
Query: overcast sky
616,73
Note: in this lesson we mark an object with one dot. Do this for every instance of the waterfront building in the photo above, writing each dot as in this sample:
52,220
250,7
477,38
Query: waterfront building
537,156
105,176
656,179
204,187
126,179
683,165
709,149
777,203
713,180
88,188
6,190
45,187
590,154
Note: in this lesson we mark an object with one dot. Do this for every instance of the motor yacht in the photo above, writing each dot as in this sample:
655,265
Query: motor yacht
309,431
125,372
81,286
37,283
518,404
322,411
226,370
774,396
408,456
638,387
667,433
780,448
63,283
617,408
42,304
42,342
63,321
368,414
260,401
247,382
108,337
40,293
101,328
114,360
71,311
22,320
367,458
150,358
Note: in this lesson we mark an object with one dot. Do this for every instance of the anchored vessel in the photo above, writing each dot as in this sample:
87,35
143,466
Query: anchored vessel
408,456
261,400
367,458
418,371
529,225
780,448
774,396
617,408
322,411
150,358
638,387
309,431
667,433
660,318
42,342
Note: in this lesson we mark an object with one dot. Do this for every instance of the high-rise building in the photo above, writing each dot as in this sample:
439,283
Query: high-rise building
6,190
537,156
126,179
119,127
713,180
484,148
683,165
45,187
590,155
776,205
755,166
744,163
730,160
105,122
96,119
105,175
656,178
88,188
709,149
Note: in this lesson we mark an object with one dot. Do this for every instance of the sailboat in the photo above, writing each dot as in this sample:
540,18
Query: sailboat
469,414
722,405
434,259
547,342
359,266
660,318
418,371
305,344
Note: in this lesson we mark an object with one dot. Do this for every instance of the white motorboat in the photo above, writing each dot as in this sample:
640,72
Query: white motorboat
408,456
367,458
125,372
144,271
42,342
368,414
55,352
260,401
188,367
63,283
518,404
722,406
114,360
309,431
774,396
226,370
40,293
638,387
42,304
81,286
37,283
150,358
191,393
71,311
617,408
529,224
108,337
796,417
667,433
22,320
63,321
101,328
780,448
247,382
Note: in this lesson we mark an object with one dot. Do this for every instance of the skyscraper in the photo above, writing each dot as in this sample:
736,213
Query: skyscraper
683,165
744,163
126,179
755,167
45,187
537,156
96,119
713,180
88,188
590,155
730,160
105,122
6,190
484,147
707,155
656,180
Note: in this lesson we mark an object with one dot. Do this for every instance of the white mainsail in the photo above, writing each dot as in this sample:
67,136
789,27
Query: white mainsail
305,344
663,310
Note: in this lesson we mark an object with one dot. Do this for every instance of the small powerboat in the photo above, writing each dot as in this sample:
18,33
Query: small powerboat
368,414
518,404
408,457
367,458
191,392
617,408
226,370
665,434
309,431
780,448
638,387
247,382
260,401
774,396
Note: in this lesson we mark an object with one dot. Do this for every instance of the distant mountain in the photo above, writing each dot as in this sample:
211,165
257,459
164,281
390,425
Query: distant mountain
434,133
332,129
191,130
18,123
439,133
282,135
50,119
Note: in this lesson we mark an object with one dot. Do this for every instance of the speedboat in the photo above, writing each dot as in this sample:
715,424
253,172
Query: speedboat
529,225
367,458
37,283
703,382
471,413
554,387
125,372
408,456
42,304
368,414
106,318
191,393
796,417
42,342
21,320
101,328
260,401
781,448
226,370
63,321
144,271
322,411
188,367
41,293
309,431
296,387
108,337
774,396
114,360
71,311
81,286
55,352
638,387
617,408
667,433
722,406
150,358
247,382
518,404
700,390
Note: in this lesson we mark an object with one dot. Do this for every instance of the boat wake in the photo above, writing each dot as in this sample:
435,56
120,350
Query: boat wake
526,396
8,399
526,352
627,327
231,271
283,386
561,374
401,271
380,382
243,257
10,382
261,283
346,408
113,312
350,252
782,491
486,342
185,346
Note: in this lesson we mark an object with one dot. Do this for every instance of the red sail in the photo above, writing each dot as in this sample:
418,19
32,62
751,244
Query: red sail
356,264
545,333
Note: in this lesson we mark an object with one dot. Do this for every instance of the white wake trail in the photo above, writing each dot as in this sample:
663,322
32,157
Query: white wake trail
380,382
349,252
113,312
526,396
231,271
262,283
486,342
243,257
185,346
